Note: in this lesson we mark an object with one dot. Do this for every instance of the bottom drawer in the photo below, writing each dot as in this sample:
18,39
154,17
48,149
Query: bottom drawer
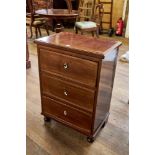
67,115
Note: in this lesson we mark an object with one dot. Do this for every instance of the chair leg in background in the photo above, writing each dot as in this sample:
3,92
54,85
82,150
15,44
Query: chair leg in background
76,30
31,32
47,31
39,31
36,32
93,33
97,33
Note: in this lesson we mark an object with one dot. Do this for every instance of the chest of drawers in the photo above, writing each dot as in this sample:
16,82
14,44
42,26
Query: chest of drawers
76,80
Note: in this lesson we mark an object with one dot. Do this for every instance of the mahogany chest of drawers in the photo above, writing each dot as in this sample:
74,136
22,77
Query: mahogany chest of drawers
76,80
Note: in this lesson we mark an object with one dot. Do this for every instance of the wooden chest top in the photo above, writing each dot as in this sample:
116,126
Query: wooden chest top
79,43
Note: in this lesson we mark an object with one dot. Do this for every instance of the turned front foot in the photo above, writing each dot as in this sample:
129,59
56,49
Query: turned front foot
90,139
47,119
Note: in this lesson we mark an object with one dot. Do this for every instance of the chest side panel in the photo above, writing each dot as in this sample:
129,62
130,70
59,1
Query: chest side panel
107,75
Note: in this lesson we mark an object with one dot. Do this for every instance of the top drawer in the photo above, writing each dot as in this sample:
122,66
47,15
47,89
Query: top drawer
74,68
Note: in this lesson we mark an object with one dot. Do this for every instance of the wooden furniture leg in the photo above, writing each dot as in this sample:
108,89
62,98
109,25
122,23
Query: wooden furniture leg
97,33
76,30
59,28
39,31
36,32
28,63
31,32
47,31
47,119
91,139
93,34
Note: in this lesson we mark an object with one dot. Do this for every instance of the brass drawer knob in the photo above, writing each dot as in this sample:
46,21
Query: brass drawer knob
65,65
65,112
65,93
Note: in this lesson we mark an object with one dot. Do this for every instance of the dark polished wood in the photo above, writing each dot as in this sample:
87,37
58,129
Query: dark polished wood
69,67
68,92
105,87
83,45
68,115
28,62
58,14
76,80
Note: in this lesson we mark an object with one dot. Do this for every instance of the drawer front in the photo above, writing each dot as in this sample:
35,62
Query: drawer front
77,96
67,115
76,69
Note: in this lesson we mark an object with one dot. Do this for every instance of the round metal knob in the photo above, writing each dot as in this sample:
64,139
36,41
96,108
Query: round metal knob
65,112
65,65
65,93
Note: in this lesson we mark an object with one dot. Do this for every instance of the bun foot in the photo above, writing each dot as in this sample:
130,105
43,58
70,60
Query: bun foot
103,125
47,119
90,139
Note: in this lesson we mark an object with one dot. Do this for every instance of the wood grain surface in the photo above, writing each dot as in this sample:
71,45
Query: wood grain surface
83,45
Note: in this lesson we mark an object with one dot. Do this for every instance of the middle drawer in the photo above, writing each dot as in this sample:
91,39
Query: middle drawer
76,96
